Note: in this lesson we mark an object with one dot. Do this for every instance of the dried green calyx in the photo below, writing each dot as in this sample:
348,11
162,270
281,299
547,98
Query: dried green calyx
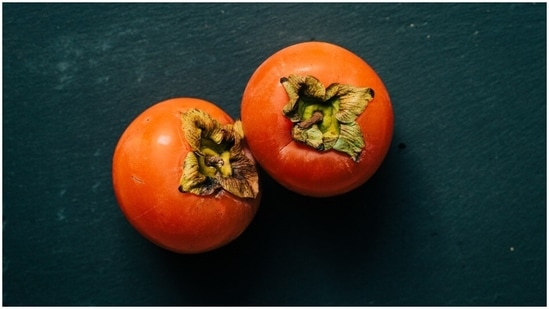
325,118
217,160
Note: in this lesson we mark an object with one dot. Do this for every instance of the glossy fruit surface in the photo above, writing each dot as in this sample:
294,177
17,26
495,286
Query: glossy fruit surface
185,214
341,148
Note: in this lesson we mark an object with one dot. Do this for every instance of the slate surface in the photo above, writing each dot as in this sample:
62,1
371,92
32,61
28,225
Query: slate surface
456,217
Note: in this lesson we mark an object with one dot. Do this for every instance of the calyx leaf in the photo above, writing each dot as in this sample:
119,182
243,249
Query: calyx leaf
217,160
340,106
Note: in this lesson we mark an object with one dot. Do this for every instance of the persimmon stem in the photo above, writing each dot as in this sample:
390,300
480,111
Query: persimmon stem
213,161
315,118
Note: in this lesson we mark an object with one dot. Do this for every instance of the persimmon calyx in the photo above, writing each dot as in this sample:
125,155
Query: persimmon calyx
325,118
217,160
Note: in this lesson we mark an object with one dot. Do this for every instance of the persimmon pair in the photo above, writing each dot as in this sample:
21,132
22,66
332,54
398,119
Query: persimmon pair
316,117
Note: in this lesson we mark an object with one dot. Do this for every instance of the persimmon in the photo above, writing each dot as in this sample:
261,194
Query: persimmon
318,118
184,177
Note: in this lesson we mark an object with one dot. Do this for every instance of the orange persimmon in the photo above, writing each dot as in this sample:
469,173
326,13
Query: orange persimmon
318,119
183,176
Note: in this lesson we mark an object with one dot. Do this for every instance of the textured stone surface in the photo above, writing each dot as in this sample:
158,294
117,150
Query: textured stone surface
456,215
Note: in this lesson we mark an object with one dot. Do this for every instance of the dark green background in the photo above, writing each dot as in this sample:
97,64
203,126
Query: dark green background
457,217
